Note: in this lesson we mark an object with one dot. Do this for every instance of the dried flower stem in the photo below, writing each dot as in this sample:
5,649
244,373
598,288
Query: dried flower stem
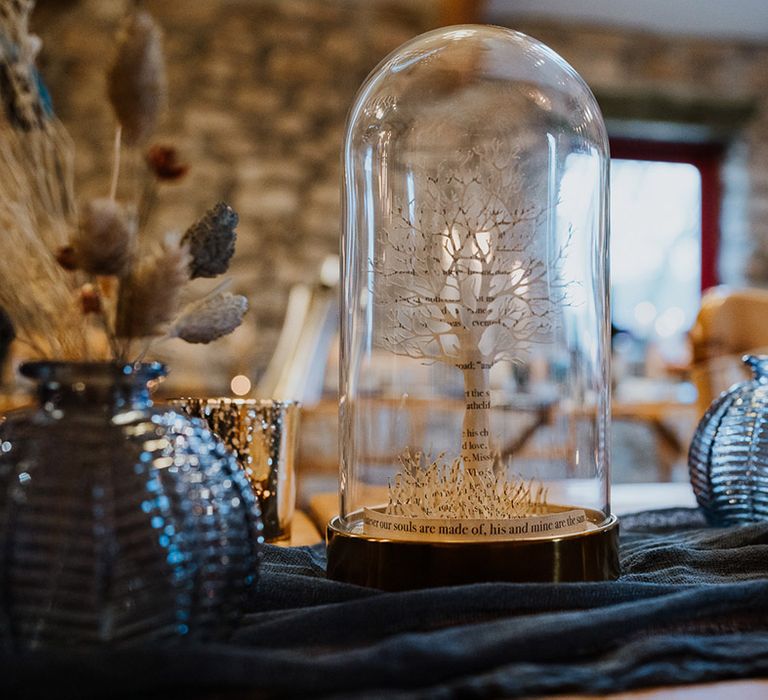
144,350
107,312
147,200
116,162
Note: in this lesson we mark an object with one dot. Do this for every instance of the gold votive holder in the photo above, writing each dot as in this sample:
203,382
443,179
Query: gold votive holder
262,436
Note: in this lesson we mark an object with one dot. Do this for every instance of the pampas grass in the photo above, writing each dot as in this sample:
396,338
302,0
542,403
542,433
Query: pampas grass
36,205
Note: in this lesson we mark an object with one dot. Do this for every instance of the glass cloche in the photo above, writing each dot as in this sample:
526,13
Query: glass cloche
475,390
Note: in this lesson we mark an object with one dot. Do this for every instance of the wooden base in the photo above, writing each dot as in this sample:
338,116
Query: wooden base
403,565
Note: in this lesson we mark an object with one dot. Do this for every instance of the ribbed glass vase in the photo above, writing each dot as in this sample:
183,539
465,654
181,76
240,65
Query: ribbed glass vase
728,459
121,523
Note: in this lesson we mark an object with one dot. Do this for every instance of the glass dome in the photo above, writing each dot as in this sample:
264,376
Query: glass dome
475,388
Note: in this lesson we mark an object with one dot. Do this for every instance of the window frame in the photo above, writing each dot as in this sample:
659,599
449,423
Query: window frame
707,158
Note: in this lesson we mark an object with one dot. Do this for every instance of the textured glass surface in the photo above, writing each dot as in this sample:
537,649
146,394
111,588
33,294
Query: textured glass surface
120,522
262,435
475,310
728,460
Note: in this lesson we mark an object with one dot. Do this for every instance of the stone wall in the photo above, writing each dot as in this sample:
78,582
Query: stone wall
259,91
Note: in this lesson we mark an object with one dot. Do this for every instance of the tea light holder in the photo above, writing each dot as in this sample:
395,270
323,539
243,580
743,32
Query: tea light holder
262,436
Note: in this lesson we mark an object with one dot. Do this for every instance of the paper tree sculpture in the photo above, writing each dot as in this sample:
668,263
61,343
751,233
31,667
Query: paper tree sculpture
462,280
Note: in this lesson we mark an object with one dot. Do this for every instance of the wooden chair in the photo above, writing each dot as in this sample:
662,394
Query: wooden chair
730,324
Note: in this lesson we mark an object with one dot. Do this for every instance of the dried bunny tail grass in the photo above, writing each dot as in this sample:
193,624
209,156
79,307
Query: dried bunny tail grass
105,241
136,82
211,241
149,296
210,318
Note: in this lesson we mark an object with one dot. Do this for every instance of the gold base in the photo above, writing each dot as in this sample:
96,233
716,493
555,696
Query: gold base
395,565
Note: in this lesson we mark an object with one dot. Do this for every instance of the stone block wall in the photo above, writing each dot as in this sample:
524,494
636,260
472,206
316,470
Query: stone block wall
259,92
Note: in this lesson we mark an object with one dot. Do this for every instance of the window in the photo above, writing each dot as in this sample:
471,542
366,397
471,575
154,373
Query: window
664,232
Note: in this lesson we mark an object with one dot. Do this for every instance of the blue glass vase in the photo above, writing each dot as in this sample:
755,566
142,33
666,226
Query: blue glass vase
728,459
121,523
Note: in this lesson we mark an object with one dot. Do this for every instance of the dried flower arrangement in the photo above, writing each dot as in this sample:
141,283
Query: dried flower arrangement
91,284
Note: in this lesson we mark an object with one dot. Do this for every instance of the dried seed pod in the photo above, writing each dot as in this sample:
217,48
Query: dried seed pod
207,319
163,161
105,239
212,241
67,257
136,82
90,301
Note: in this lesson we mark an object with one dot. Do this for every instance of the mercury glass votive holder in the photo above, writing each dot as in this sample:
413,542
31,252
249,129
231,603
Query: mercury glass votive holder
262,436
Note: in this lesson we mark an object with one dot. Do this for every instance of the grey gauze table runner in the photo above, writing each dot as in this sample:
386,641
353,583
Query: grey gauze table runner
691,606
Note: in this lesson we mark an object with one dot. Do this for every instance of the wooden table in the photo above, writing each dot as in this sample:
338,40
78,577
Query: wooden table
304,532
662,405
656,415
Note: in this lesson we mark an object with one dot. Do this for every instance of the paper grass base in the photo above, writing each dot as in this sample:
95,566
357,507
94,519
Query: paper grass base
435,500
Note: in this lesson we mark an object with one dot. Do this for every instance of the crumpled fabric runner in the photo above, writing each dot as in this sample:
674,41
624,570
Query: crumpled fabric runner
691,606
